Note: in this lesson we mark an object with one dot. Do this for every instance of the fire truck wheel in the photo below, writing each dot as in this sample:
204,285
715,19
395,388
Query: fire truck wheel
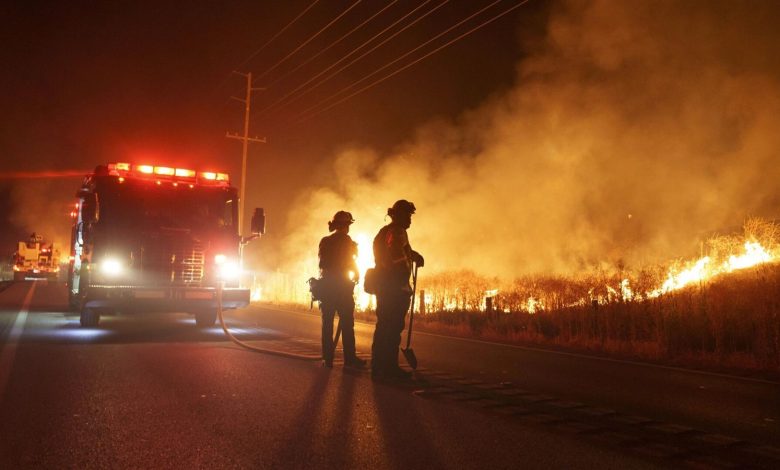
206,318
89,318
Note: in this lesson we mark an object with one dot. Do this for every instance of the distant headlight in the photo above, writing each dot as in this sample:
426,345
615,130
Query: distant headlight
111,267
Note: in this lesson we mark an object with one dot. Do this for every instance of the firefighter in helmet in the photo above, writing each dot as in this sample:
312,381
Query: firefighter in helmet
339,271
394,258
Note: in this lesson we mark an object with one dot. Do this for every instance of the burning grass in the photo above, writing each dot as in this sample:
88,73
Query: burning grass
732,321
720,310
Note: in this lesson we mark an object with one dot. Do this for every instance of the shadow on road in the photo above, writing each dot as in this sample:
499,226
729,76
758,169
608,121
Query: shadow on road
308,426
404,433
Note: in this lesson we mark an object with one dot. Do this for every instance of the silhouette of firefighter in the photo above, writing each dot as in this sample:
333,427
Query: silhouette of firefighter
339,274
394,258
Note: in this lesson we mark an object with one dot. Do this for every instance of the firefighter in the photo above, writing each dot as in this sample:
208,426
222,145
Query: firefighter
394,258
339,272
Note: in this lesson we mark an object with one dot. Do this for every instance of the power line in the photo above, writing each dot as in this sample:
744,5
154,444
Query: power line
369,41
288,73
259,50
401,57
302,117
323,29
294,20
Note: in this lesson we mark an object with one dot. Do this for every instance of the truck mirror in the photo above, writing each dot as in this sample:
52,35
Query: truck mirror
258,221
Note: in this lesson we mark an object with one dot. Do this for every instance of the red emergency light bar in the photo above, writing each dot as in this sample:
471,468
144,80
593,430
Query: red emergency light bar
166,173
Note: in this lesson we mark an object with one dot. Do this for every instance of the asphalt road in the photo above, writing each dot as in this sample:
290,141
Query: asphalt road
743,407
155,391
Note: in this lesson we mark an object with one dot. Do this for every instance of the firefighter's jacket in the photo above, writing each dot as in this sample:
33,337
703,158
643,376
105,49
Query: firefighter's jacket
393,256
338,255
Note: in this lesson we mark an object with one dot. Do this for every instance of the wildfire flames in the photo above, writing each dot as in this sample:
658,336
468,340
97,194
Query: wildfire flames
737,255
703,269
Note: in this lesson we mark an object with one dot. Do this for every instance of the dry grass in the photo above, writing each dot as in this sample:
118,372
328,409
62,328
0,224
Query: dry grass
732,321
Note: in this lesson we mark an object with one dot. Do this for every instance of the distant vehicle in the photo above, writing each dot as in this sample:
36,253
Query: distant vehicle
35,259
156,239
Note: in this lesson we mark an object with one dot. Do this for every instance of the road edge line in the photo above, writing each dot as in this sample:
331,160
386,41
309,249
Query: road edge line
8,351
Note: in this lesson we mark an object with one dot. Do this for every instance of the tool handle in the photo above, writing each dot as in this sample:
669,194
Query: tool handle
411,309
336,338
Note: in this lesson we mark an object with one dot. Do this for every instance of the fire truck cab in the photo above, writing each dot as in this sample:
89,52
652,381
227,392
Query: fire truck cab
156,239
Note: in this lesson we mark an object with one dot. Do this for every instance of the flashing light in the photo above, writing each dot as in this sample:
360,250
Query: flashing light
184,173
166,173
219,259
111,267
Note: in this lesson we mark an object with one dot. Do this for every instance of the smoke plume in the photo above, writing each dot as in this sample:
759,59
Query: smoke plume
633,129
40,207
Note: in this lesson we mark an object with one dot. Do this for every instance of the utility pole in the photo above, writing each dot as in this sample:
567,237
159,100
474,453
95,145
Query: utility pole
245,139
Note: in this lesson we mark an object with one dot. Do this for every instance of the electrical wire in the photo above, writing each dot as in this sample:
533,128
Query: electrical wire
323,29
369,41
302,117
403,56
288,73
279,33
273,38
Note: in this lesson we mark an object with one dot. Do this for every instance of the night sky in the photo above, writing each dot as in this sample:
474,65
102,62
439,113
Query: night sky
85,83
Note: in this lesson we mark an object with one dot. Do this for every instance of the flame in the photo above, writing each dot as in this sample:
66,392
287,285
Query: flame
678,280
702,269
457,294
532,305
754,254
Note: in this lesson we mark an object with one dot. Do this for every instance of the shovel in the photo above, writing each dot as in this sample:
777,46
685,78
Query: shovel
336,338
411,359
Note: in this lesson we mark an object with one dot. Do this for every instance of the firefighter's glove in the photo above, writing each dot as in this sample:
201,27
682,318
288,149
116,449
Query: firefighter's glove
418,259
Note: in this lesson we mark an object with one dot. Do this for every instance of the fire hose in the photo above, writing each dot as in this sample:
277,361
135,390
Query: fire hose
249,346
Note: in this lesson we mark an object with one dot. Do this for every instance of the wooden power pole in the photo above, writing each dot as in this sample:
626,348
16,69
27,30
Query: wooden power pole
245,139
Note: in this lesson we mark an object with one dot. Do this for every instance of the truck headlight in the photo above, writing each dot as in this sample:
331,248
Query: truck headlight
227,269
111,267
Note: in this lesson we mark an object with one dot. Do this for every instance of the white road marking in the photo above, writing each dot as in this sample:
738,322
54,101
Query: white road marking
8,351
564,353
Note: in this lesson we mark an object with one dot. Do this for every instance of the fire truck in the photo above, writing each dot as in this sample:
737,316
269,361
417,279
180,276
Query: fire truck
151,238
36,259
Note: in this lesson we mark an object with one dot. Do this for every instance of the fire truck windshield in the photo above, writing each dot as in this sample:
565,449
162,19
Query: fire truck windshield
166,206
